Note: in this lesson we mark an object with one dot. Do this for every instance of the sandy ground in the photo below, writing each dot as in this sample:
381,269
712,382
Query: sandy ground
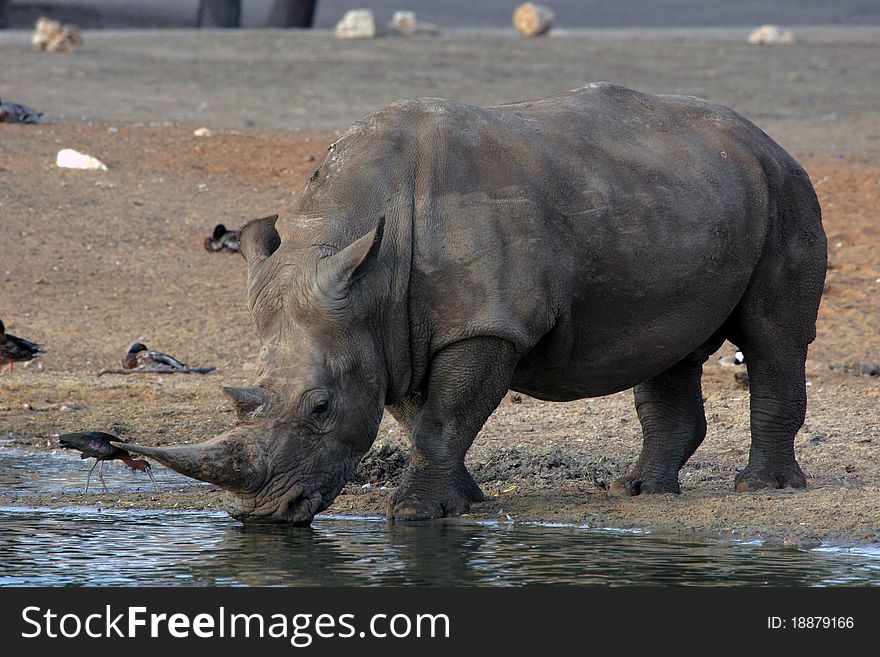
90,261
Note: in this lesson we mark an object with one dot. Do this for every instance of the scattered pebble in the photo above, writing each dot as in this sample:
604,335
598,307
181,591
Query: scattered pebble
356,24
68,158
770,34
533,20
52,36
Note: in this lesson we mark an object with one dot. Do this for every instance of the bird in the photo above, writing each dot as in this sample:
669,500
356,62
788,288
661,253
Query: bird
139,355
737,359
14,349
15,113
96,445
223,239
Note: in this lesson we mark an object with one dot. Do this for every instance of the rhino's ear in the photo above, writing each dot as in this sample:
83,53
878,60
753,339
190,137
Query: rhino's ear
259,239
337,272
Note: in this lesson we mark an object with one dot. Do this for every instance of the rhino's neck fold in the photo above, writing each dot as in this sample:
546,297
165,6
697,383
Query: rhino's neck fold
397,324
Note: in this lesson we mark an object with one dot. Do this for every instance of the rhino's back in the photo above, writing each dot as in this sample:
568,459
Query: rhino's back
605,232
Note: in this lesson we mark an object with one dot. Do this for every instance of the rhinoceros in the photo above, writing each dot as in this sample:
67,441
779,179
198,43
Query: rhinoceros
565,247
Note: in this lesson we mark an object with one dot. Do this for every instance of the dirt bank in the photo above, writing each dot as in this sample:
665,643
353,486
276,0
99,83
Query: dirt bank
93,261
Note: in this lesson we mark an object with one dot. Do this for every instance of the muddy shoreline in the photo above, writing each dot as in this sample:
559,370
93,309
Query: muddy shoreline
91,261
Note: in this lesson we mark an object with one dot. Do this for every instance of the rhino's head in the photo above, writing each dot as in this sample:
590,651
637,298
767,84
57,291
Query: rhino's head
315,410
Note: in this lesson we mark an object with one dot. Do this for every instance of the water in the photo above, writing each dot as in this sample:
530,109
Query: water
86,546
62,471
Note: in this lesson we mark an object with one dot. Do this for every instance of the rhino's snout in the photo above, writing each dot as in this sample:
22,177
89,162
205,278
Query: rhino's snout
296,506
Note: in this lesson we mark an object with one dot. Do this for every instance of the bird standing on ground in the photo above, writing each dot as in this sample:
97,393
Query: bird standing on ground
140,356
223,239
14,349
96,445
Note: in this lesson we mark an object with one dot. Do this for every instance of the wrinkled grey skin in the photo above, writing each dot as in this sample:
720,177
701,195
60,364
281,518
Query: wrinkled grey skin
567,247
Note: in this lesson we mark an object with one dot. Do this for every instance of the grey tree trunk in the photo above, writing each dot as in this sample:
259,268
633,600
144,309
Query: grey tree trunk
219,13
292,13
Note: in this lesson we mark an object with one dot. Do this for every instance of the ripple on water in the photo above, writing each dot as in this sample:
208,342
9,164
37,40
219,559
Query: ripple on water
86,546
121,547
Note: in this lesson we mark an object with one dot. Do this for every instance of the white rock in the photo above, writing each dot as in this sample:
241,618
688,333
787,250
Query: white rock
404,21
70,159
203,132
767,34
357,24
52,36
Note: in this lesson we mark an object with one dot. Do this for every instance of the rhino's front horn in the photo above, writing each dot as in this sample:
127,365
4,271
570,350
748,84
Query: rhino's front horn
232,464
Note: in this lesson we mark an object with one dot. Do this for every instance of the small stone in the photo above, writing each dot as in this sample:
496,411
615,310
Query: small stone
203,132
68,158
404,21
357,24
770,34
52,36
532,20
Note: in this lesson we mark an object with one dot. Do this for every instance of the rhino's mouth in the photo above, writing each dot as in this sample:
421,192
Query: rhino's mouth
294,507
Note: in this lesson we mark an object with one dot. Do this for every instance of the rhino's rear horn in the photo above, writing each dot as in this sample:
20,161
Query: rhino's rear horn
244,400
259,239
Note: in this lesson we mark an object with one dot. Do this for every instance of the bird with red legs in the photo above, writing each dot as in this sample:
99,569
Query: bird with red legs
96,445
16,350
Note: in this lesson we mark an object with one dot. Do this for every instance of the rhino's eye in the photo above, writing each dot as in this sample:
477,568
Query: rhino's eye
320,407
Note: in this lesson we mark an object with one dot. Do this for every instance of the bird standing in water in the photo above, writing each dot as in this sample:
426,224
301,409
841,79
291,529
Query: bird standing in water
14,349
96,445
140,356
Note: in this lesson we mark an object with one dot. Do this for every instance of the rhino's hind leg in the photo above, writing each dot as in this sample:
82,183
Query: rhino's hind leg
774,325
466,382
778,401
670,409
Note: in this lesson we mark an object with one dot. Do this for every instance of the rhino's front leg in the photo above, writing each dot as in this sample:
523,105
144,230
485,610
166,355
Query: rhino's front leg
466,382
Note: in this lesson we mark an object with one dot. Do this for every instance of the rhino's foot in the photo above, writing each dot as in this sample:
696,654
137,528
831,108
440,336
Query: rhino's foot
770,476
632,483
422,497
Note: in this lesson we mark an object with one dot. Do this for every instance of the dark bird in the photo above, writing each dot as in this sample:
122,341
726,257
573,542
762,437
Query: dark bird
14,349
96,445
15,113
223,239
140,356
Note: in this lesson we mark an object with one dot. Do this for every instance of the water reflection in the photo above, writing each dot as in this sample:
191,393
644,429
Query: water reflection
116,547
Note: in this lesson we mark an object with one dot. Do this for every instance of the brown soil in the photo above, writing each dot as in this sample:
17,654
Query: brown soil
94,260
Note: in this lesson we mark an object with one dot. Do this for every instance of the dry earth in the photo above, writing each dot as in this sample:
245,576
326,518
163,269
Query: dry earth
93,261
90,261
